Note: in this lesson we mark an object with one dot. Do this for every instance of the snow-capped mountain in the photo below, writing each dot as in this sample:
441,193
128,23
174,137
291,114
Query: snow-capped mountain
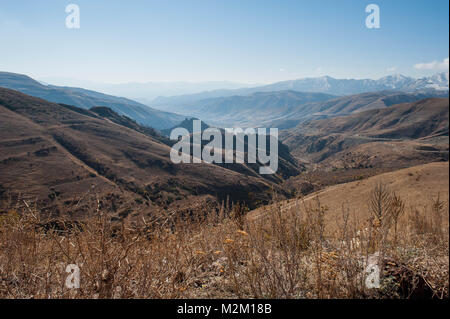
396,81
438,81
326,84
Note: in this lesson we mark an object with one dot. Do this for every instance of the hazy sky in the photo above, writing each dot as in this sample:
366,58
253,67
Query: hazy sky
202,40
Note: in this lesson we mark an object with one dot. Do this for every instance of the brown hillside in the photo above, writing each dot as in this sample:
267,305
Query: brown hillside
58,156
417,186
416,132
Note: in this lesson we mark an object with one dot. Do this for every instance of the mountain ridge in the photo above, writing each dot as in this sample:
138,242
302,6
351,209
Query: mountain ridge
87,98
56,153
399,135
324,84
285,109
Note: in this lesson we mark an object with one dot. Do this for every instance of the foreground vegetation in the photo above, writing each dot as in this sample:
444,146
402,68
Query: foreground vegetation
281,254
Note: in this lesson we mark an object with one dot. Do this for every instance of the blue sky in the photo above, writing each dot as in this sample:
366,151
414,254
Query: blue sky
209,40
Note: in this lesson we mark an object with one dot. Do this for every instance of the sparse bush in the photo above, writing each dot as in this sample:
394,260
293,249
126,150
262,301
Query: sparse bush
287,251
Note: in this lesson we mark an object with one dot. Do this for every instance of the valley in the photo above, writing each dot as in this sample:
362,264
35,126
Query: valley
96,152
186,153
86,99
80,153
69,167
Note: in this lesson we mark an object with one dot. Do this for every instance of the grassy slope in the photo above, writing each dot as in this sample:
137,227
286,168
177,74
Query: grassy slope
417,186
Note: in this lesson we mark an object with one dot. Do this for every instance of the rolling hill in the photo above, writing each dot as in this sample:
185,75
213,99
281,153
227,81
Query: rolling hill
87,99
286,109
417,186
398,135
68,158
350,104
406,120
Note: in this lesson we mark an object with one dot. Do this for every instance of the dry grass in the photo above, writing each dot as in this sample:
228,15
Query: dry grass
284,254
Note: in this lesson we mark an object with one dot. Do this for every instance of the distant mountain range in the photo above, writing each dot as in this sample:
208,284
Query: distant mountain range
144,92
285,109
86,99
331,85
325,84
254,109
282,104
